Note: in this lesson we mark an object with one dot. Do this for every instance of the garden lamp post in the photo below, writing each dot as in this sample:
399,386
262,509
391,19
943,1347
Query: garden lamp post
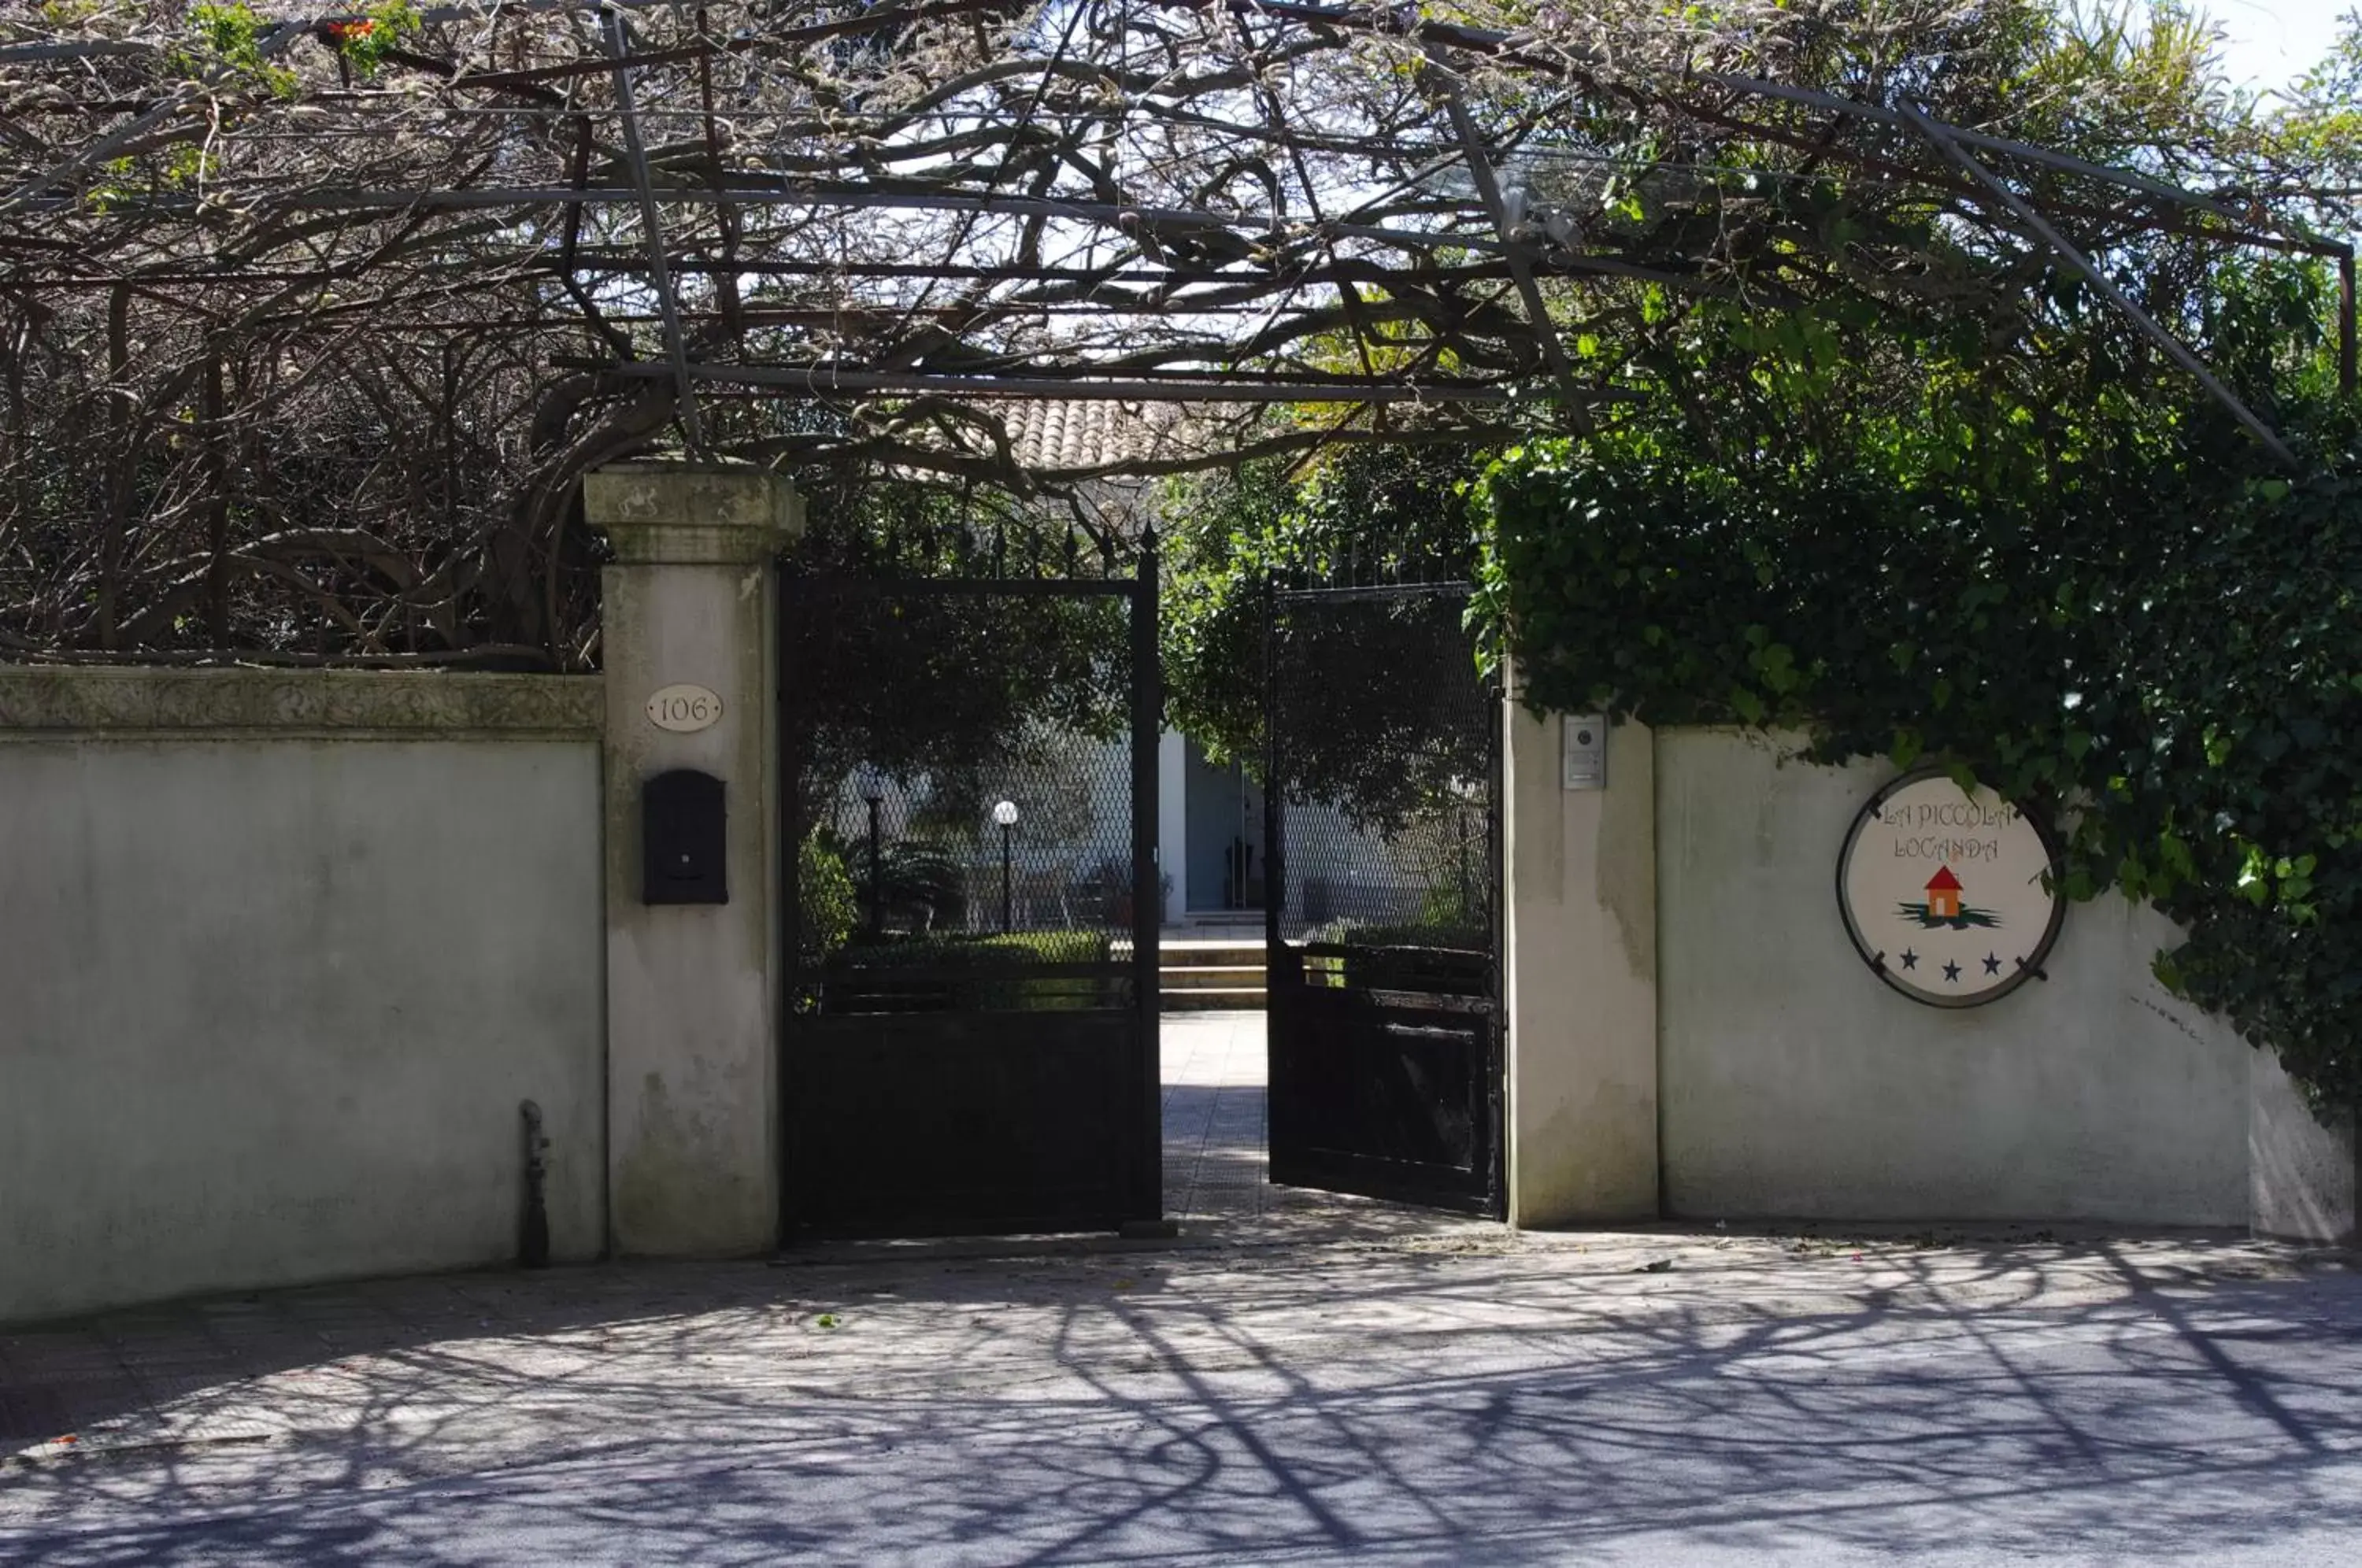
872,784
1005,814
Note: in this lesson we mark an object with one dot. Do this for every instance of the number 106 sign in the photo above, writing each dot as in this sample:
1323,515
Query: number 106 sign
685,709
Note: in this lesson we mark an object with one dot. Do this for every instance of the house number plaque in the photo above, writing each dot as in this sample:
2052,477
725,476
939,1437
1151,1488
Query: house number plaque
685,710
1947,894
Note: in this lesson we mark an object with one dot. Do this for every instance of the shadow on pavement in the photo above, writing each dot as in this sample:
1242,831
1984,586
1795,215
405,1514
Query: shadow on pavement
1670,1395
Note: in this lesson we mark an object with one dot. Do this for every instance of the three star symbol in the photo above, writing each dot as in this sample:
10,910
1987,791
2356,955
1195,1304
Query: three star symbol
1992,962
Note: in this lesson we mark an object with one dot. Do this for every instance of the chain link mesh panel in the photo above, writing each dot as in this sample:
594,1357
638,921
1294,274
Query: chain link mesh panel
962,788
1384,742
1385,1040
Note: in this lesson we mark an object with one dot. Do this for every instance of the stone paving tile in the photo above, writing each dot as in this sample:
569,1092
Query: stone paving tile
1214,1116
433,1375
578,1359
1216,1167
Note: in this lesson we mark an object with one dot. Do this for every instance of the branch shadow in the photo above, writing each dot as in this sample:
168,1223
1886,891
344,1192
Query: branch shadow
2139,1397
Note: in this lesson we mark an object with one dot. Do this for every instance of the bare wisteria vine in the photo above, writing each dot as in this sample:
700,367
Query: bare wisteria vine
311,319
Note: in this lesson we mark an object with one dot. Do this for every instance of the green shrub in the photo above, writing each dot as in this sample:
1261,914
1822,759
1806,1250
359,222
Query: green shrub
1450,935
1016,949
920,885
825,911
998,962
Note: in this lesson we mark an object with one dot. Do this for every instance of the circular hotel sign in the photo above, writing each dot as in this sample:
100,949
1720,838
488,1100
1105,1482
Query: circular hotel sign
1947,894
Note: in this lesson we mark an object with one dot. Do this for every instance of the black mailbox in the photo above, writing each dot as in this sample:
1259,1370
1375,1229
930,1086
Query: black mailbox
682,831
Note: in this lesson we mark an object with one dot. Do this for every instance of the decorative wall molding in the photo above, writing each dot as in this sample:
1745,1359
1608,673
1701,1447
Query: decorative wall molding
687,514
40,702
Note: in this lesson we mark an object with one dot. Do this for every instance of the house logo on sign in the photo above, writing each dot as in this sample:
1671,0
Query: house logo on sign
1943,896
1947,893
1940,904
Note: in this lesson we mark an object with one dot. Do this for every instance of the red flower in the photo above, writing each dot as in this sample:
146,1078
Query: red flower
346,32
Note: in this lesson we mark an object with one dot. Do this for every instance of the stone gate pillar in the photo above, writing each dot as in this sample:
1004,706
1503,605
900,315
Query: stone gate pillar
1580,886
693,988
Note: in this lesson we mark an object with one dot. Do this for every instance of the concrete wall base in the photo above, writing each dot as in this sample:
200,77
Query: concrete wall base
2302,1169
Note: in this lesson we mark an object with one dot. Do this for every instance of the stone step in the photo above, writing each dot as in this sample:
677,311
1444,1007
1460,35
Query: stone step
1213,976
1200,974
1224,953
1239,998
1171,943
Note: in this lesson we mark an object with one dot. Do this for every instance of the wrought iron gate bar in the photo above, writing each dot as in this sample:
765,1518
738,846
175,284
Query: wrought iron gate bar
969,1044
998,587
1377,591
1383,771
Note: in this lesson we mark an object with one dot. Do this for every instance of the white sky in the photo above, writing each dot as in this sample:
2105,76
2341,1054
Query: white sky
2268,44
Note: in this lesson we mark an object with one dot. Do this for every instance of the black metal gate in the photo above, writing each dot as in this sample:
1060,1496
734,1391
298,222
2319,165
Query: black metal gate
970,808
1382,923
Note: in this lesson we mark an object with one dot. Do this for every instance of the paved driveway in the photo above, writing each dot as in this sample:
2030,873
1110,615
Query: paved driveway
1307,1380
1439,1399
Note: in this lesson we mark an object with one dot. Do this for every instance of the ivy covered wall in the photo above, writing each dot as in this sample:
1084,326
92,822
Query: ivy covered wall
2081,584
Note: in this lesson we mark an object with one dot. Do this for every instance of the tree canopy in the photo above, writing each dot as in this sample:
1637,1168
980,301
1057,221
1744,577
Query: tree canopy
2071,575
315,317
1954,378
2014,536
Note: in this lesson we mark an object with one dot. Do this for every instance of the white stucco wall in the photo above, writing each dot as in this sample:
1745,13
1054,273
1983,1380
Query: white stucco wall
1794,1084
1582,982
2304,1180
275,975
